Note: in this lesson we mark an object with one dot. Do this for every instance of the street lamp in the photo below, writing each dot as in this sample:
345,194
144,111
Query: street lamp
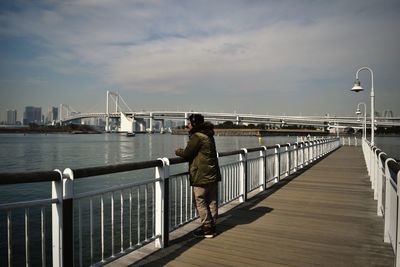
357,88
358,112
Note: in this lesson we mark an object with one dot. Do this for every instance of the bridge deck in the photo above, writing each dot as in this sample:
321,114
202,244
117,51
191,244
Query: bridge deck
326,216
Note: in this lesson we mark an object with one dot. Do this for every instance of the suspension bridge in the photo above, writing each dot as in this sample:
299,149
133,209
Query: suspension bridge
119,117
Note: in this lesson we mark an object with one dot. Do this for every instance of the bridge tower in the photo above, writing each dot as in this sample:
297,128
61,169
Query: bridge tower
65,111
116,100
237,122
185,120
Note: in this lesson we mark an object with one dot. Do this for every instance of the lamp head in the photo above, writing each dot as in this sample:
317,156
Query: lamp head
357,86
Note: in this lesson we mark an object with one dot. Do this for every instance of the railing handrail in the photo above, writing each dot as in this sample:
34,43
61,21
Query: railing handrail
28,177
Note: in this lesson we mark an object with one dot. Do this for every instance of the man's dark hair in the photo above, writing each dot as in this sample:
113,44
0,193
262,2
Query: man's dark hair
196,119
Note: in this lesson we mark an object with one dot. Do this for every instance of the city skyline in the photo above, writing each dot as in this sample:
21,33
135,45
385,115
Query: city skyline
260,57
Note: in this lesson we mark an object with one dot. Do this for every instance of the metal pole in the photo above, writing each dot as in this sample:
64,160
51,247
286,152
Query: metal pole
372,103
67,218
365,118
107,115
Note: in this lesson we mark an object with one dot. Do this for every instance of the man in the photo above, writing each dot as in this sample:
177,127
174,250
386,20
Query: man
204,172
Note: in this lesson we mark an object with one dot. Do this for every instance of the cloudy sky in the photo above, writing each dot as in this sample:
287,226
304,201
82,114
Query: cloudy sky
252,56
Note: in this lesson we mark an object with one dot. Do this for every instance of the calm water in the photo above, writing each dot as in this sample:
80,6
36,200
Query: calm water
46,152
34,152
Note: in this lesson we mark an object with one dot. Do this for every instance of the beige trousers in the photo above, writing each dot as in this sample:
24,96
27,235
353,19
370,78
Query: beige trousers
206,201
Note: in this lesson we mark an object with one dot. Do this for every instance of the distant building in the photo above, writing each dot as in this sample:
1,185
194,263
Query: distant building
11,117
52,115
32,115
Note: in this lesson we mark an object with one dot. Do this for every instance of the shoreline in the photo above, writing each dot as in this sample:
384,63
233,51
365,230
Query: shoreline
218,132
275,132
257,132
55,130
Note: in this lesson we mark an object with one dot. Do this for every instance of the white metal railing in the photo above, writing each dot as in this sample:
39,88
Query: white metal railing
384,174
94,228
351,141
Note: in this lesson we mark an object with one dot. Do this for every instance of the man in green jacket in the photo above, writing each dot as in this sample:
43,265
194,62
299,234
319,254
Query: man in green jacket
204,172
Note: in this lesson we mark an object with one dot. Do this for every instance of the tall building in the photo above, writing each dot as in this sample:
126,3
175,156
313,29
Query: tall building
52,115
32,115
11,117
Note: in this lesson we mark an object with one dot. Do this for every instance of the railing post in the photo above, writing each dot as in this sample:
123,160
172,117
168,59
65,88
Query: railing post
263,169
56,220
243,175
322,147
398,222
326,146
306,150
301,149
296,156
387,216
315,150
372,174
368,156
376,172
162,204
288,158
311,151
278,163
68,218
379,185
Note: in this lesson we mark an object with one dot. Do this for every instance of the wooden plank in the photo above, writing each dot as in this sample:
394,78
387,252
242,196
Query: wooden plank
324,217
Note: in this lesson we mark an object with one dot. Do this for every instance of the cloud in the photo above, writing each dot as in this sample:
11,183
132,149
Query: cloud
225,47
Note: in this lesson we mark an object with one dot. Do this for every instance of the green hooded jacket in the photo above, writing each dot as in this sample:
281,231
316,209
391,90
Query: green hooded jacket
202,155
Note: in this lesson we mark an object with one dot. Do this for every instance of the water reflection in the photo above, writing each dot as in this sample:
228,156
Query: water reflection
150,146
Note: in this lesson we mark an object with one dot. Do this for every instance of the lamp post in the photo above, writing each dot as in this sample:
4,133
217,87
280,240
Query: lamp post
357,88
358,112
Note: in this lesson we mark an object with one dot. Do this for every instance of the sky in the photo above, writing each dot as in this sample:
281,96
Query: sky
286,57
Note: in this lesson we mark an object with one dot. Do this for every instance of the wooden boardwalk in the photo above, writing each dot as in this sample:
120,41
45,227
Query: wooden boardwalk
325,216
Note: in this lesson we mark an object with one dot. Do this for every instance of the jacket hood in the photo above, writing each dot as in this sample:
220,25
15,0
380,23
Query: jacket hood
206,128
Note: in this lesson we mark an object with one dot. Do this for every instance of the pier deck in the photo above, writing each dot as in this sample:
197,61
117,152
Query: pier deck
325,216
